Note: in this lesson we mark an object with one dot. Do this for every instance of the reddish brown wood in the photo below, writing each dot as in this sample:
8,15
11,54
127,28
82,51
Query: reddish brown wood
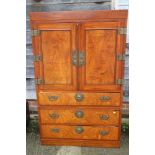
96,34
101,44
57,42
79,15
68,115
68,98
89,132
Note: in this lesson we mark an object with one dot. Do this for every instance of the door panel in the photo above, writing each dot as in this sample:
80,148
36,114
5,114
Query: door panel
57,42
101,43
100,63
56,48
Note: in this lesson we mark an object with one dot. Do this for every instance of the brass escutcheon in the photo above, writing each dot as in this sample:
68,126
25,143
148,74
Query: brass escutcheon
79,114
79,129
79,97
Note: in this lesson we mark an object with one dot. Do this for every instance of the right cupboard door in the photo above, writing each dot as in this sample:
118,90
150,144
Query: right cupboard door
99,45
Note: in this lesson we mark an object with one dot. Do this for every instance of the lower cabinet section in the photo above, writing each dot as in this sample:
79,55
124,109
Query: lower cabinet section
80,132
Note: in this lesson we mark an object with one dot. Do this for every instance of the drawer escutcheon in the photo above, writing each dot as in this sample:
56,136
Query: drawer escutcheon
79,97
79,114
79,129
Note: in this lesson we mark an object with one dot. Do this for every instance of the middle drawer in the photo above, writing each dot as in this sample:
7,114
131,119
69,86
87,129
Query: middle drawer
80,115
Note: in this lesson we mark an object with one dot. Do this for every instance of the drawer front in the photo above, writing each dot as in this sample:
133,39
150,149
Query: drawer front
79,132
80,116
64,98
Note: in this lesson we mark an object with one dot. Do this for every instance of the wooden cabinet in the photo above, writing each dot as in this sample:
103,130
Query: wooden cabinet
78,60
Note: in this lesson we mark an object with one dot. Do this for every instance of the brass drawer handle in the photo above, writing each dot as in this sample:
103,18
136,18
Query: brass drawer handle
104,117
79,114
105,98
79,97
79,129
55,130
54,115
103,132
53,98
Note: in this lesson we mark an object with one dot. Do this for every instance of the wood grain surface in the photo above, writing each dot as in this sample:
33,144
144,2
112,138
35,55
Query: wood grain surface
68,98
68,115
89,132
95,118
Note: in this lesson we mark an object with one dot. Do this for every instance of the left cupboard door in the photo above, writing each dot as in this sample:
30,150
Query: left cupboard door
56,44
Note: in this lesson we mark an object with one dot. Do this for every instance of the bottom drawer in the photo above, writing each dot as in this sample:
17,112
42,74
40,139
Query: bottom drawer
80,132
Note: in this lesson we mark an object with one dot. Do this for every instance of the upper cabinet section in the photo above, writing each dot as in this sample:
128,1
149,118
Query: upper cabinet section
79,50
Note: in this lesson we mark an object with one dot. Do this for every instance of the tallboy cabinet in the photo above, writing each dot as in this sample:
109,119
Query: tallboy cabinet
78,62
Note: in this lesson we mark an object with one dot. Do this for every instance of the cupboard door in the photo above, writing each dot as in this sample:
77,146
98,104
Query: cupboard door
100,44
57,42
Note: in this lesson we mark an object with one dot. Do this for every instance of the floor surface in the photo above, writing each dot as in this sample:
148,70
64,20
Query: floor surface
34,148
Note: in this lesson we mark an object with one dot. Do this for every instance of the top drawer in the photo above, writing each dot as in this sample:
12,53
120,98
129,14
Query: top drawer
79,98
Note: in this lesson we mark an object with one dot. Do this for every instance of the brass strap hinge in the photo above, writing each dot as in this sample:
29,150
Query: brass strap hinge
35,32
37,58
121,57
122,30
39,81
120,81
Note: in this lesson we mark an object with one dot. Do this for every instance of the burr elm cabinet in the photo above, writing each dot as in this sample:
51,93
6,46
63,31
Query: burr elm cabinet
78,65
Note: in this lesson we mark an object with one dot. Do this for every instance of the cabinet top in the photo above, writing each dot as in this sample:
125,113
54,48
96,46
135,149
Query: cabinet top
79,15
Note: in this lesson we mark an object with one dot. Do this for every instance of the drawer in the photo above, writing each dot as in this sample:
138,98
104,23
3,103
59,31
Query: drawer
71,115
80,132
82,98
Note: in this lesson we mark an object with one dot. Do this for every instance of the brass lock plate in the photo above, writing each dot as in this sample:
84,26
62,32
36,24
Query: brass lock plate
81,58
75,58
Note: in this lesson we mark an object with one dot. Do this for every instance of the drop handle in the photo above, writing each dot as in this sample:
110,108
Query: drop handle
54,115
103,132
104,117
53,98
105,98
55,130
